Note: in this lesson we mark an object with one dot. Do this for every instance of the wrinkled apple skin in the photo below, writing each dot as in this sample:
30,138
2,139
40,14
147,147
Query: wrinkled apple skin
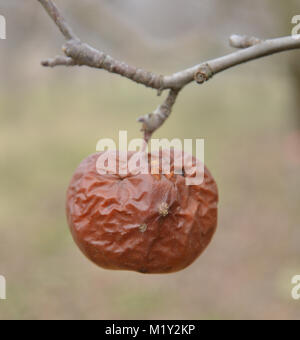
119,222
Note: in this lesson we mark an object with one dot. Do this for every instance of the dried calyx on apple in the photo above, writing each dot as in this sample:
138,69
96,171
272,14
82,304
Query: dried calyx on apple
146,222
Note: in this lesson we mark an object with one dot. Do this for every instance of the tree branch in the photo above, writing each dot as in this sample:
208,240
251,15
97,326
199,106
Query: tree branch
78,53
59,61
86,55
152,121
243,41
61,23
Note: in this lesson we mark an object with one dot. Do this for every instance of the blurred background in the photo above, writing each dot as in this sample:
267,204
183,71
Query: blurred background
50,119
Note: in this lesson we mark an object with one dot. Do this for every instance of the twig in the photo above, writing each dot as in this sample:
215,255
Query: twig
61,23
59,61
152,121
79,53
86,55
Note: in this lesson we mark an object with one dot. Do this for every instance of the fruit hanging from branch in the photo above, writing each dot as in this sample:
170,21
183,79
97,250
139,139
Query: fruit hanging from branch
149,223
